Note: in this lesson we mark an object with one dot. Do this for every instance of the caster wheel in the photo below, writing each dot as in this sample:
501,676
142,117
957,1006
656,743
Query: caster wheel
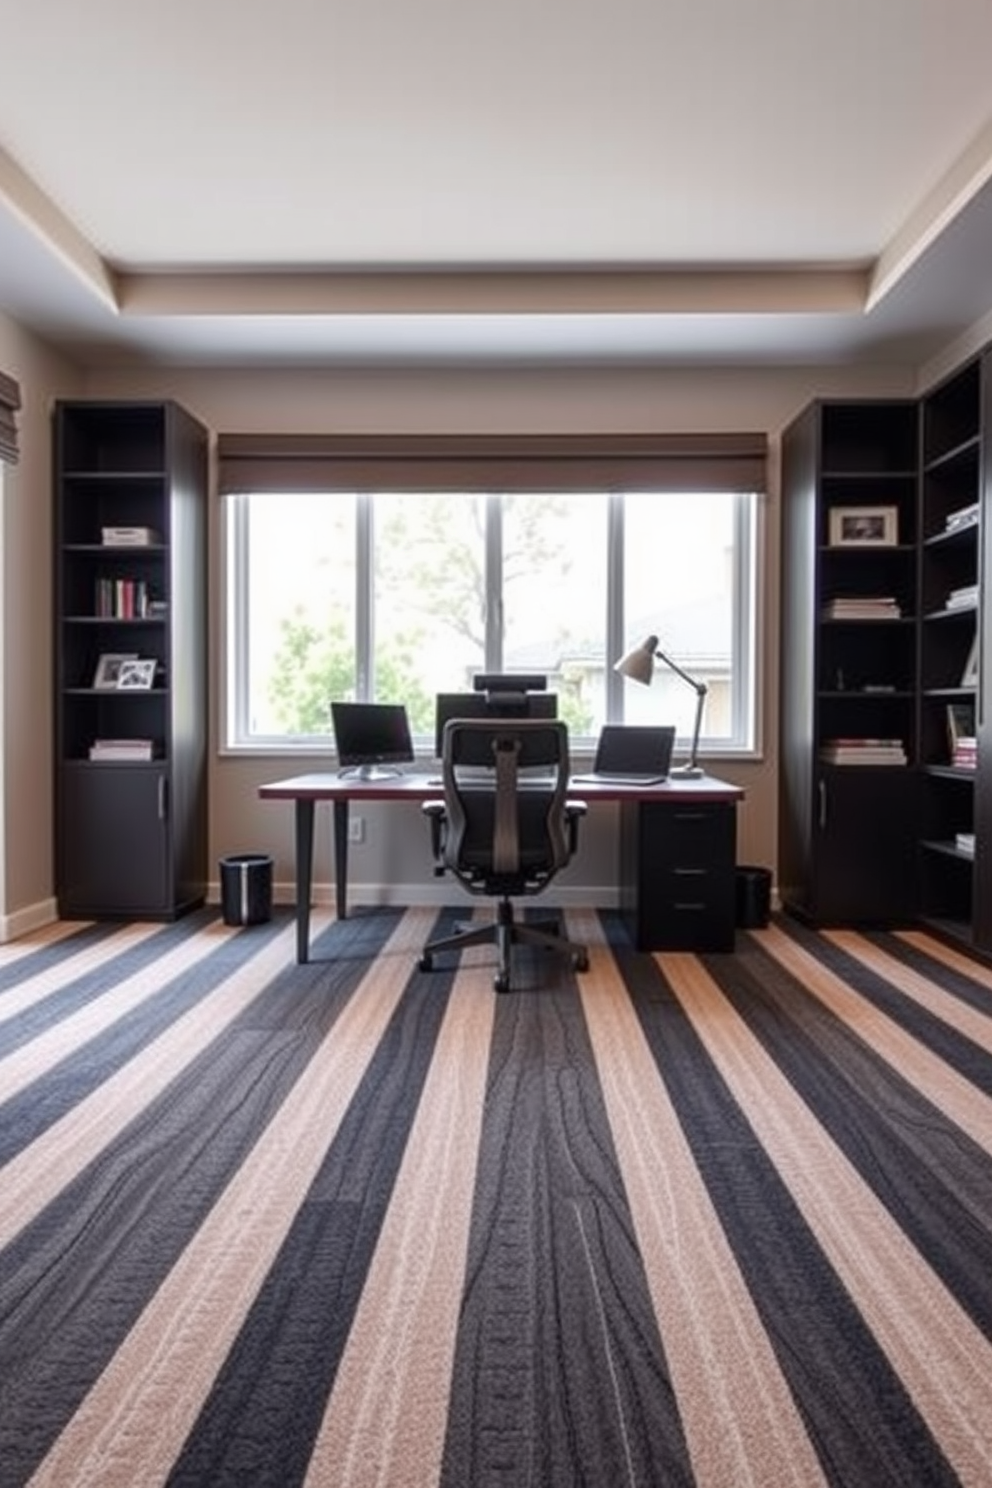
501,983
580,961
426,963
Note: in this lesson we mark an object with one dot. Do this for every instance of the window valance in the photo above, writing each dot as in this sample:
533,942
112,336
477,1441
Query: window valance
10,402
664,462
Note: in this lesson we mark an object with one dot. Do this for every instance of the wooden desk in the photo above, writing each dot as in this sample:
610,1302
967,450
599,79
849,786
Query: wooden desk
677,852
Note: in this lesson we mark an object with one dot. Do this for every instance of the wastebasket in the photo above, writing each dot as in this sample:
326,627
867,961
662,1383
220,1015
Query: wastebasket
754,897
246,888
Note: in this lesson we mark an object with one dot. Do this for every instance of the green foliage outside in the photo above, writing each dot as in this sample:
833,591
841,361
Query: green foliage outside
439,572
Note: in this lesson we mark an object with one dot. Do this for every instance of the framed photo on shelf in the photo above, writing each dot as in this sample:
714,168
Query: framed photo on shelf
108,669
136,675
969,677
863,526
960,724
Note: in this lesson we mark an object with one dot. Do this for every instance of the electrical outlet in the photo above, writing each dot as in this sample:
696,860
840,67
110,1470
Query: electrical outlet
356,829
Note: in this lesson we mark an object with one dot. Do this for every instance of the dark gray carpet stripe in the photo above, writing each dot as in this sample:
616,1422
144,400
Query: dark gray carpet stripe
74,1281
49,1098
966,989
263,1414
933,1179
940,1038
83,989
862,1423
560,1376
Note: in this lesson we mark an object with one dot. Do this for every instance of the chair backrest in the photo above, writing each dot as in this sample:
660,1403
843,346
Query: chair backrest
506,830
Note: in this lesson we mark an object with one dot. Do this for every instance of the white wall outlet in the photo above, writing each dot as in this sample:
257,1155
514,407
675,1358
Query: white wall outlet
356,829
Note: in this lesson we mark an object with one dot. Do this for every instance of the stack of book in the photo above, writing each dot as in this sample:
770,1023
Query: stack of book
863,752
965,842
966,516
862,607
122,749
129,537
964,754
964,598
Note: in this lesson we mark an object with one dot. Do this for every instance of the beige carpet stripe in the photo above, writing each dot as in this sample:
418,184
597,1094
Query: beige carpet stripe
942,1358
386,1418
740,1420
959,1100
13,951
968,1021
134,1421
41,1170
938,951
34,1059
36,988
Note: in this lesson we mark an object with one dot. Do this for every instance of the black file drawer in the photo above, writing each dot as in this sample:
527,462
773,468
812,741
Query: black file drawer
677,874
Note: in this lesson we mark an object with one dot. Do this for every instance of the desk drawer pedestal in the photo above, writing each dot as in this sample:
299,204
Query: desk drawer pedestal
677,866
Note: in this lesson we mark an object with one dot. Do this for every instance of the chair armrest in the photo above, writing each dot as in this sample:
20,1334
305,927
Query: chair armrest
435,813
574,812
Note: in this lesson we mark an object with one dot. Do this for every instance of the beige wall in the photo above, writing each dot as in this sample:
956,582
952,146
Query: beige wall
26,689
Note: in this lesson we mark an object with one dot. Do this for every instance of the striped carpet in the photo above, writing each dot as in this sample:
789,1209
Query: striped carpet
683,1220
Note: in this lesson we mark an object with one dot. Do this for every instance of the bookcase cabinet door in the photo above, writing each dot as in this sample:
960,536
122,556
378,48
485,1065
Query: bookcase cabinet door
115,841
864,876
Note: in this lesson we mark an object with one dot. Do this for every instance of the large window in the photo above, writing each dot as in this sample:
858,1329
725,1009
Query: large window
389,594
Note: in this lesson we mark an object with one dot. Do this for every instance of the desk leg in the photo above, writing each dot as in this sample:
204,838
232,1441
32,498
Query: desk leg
304,877
341,857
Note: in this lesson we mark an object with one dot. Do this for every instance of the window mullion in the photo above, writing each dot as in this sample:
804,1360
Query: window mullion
494,584
364,590
615,643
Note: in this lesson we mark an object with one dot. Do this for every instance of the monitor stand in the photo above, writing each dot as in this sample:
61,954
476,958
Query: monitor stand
371,772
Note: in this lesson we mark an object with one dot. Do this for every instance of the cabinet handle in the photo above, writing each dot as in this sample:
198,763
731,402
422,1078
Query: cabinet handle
163,798
822,788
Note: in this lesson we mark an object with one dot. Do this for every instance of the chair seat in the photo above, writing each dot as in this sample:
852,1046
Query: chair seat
504,837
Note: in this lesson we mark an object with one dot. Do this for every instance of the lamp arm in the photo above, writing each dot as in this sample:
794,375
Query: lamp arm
700,687
690,767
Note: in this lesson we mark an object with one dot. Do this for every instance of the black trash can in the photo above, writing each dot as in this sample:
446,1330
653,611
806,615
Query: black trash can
246,888
754,897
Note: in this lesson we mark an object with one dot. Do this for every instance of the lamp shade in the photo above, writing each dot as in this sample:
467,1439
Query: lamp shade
638,663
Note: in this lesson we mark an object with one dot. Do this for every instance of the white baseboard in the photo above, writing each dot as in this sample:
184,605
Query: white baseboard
441,893
23,921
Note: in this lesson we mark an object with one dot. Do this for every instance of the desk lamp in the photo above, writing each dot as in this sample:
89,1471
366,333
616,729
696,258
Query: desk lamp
638,664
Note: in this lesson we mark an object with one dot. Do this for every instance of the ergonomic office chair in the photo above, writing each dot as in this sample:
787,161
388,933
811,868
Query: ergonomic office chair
503,833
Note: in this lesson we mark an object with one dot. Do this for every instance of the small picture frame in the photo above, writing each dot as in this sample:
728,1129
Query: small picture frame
136,675
863,526
969,677
108,669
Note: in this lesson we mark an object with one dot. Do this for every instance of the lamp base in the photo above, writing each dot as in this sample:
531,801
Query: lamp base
686,772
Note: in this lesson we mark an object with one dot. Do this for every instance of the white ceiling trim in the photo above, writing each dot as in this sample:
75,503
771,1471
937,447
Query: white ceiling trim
959,186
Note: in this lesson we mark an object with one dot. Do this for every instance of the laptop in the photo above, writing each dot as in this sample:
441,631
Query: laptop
632,754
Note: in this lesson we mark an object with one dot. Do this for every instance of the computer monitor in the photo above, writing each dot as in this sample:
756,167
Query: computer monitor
509,682
497,704
369,736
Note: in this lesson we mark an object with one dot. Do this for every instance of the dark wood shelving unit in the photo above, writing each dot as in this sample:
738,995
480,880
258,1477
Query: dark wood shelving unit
847,832
955,886
131,834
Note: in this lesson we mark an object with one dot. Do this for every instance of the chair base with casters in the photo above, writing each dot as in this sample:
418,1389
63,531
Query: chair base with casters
506,931
506,834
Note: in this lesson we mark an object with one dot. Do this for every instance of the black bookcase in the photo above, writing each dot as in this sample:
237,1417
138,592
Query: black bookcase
850,498
130,583
956,825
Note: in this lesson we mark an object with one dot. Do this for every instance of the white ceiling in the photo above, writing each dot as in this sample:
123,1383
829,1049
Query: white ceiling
640,182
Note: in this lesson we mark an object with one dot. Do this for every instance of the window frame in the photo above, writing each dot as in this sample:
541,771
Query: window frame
671,465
